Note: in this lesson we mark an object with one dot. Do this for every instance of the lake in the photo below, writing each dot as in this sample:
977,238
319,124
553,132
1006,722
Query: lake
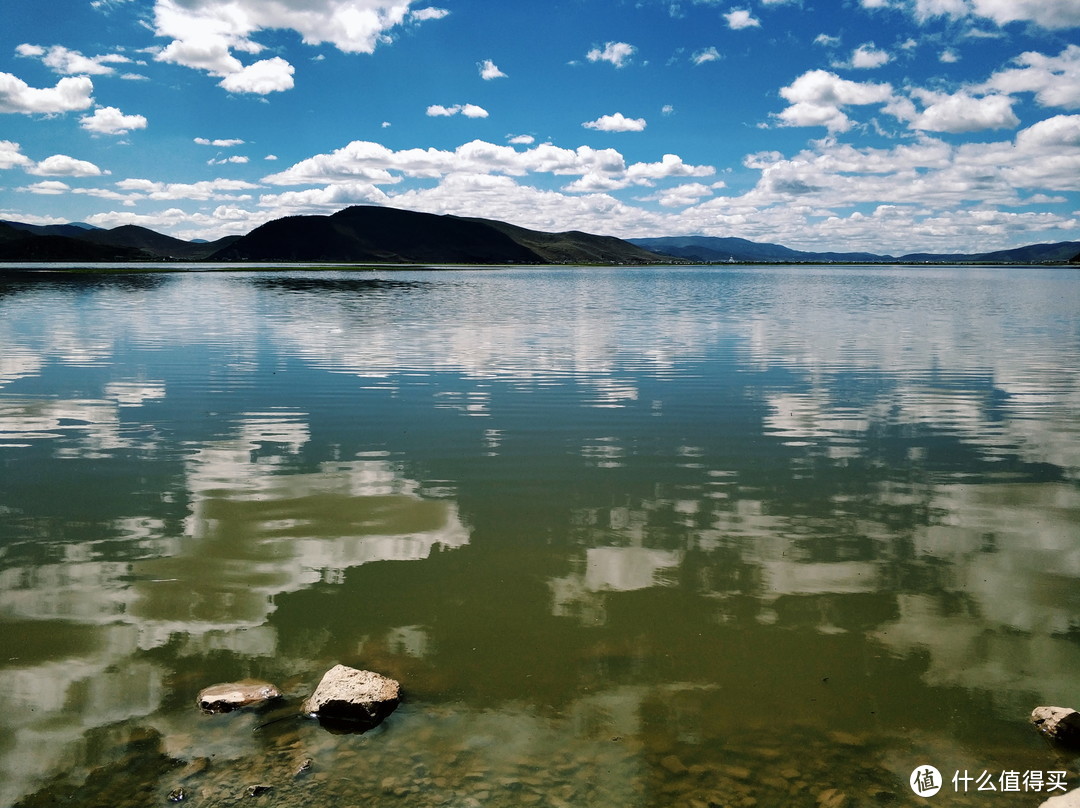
691,536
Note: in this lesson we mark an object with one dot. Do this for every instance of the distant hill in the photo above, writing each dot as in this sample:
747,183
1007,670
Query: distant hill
84,243
711,249
20,245
155,244
367,233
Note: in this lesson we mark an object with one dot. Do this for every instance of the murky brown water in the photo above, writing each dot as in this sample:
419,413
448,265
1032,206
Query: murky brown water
701,537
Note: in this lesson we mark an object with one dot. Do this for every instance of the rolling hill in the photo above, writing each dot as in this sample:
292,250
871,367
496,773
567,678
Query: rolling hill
367,233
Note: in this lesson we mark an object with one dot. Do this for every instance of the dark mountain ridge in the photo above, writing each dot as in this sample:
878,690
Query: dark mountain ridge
374,234
369,233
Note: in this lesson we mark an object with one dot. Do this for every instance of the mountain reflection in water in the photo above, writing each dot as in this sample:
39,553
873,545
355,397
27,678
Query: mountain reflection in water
635,537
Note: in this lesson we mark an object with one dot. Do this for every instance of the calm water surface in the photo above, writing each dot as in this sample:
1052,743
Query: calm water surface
650,537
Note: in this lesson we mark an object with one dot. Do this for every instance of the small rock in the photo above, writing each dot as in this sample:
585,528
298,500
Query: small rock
304,768
177,795
674,765
348,694
258,790
226,697
1059,723
738,772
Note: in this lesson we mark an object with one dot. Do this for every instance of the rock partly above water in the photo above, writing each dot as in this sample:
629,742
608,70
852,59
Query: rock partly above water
1061,724
228,696
349,695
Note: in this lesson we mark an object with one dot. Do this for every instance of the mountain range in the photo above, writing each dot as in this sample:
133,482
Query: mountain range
372,234
710,249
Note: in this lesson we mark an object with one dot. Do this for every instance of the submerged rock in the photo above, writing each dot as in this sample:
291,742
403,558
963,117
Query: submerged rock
349,695
1058,723
224,698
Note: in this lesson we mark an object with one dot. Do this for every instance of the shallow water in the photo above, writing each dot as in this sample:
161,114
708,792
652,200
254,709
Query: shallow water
627,537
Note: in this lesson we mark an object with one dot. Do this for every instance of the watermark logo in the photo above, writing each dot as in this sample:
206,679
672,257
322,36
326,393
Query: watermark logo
925,781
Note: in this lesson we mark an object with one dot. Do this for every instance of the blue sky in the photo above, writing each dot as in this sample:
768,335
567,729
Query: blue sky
888,125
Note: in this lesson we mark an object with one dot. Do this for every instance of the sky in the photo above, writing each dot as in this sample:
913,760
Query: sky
884,125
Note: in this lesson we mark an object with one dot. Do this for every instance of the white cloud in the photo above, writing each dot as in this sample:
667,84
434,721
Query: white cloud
468,110
431,13
1055,80
616,123
374,163
200,191
739,18
111,121
224,143
522,140
205,34
681,196
710,54
1047,13
236,158
489,70
72,62
60,165
617,53
868,57
71,93
827,40
949,56
262,77
1053,14
11,155
817,98
959,112
47,187
667,109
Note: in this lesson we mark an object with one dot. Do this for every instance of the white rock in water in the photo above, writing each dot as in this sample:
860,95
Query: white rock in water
1059,723
1069,800
349,694
229,696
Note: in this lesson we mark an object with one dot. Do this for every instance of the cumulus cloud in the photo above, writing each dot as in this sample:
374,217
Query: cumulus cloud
740,18
616,123
489,70
1052,14
468,110
47,187
60,165
958,112
69,94
236,158
827,40
374,163
522,140
72,62
616,53
206,34
1055,80
201,191
11,155
1046,13
867,57
261,77
111,121
817,98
